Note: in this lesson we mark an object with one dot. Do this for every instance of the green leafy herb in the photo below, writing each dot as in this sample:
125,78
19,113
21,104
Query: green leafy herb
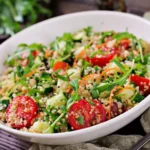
137,97
4,104
64,78
80,120
109,86
119,65
74,84
45,76
104,35
88,31
19,71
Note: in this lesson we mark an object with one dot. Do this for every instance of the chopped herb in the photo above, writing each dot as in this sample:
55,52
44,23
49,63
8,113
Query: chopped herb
80,120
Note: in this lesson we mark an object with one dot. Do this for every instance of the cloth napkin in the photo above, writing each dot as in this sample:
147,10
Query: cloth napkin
112,142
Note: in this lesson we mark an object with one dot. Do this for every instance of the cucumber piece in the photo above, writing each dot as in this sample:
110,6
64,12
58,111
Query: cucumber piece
78,50
57,100
126,94
37,60
62,86
76,73
61,44
39,127
78,36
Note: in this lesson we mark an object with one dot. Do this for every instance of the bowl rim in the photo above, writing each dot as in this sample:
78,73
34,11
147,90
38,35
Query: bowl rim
92,128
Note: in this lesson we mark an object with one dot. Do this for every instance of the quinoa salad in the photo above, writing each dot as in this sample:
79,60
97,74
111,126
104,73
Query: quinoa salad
79,80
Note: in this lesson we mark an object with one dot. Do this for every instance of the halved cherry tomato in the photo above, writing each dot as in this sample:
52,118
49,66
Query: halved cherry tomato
143,83
125,43
99,112
21,112
60,66
80,109
103,60
89,113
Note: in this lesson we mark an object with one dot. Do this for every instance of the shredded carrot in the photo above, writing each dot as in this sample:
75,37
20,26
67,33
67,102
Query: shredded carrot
48,53
111,100
31,73
107,70
101,45
80,55
87,78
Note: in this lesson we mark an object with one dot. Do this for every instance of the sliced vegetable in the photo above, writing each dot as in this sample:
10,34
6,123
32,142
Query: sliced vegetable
102,60
142,83
21,112
60,66
57,100
80,110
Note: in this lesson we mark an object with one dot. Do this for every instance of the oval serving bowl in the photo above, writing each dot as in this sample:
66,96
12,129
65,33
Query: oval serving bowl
47,31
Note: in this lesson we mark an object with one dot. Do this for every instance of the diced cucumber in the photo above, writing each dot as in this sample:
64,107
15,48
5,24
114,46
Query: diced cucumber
126,94
76,73
39,127
37,60
57,100
78,50
79,35
61,44
62,86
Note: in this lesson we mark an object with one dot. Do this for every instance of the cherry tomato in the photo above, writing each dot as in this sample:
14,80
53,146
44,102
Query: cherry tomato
79,115
83,114
103,60
98,112
60,66
143,83
125,43
21,112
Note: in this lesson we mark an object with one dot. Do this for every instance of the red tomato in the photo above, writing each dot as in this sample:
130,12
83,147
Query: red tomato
99,113
89,114
21,112
103,60
35,53
125,43
80,109
143,83
60,66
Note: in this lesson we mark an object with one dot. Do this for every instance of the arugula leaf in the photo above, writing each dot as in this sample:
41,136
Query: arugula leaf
119,65
4,104
64,78
74,84
123,35
104,35
137,97
139,69
80,120
19,71
88,31
109,86
45,76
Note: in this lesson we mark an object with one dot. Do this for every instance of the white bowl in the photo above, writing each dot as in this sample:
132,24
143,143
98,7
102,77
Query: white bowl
47,31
